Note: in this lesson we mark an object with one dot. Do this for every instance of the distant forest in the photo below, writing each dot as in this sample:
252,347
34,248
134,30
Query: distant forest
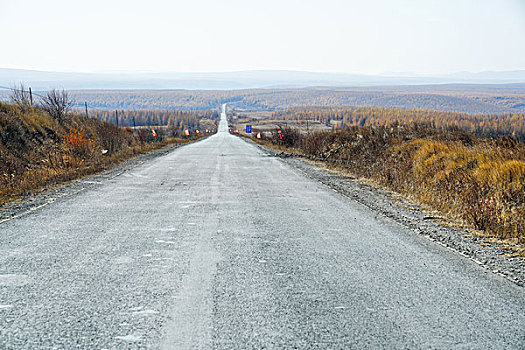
190,119
471,99
484,125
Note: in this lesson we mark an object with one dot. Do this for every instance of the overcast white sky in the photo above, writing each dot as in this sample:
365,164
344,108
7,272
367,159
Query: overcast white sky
356,36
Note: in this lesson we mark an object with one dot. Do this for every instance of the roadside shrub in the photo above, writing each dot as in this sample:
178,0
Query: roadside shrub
77,142
113,138
286,136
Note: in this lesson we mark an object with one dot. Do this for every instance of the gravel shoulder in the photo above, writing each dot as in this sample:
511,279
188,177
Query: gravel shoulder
30,203
461,240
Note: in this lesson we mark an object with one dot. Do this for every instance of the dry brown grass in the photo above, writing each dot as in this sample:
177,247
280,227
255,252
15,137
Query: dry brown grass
480,184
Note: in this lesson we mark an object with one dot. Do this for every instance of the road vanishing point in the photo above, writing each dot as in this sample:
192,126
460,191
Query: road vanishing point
217,245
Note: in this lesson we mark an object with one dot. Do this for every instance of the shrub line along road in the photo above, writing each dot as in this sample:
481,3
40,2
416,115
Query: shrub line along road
218,245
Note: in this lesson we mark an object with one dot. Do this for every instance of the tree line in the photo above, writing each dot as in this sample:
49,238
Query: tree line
171,118
492,125
465,101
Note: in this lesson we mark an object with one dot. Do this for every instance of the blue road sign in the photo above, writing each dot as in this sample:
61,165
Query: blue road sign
248,129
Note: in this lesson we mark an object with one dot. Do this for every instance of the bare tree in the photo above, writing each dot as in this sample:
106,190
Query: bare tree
56,103
21,97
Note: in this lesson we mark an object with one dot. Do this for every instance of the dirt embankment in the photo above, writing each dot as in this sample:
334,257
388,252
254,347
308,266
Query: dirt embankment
38,150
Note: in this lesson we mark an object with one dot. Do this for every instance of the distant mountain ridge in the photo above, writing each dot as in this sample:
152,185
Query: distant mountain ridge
241,79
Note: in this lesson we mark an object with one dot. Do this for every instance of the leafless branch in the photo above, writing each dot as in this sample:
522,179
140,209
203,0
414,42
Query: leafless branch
56,103
20,96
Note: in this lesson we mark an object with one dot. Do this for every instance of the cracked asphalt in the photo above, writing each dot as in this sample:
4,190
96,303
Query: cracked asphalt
217,245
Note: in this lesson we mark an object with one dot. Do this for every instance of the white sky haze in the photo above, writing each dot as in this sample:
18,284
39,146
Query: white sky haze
372,36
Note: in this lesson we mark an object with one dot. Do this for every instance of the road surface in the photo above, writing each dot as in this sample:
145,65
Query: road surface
217,245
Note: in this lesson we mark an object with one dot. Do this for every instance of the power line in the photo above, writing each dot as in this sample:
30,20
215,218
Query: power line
14,89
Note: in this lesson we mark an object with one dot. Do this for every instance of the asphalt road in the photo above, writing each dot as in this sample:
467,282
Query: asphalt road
217,245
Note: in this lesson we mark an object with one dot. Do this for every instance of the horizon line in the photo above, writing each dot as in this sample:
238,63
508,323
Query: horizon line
386,74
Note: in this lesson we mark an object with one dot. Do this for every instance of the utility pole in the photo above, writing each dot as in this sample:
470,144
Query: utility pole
116,116
307,125
85,105
31,96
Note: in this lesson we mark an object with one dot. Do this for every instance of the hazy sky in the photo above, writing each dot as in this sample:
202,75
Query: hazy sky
358,36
